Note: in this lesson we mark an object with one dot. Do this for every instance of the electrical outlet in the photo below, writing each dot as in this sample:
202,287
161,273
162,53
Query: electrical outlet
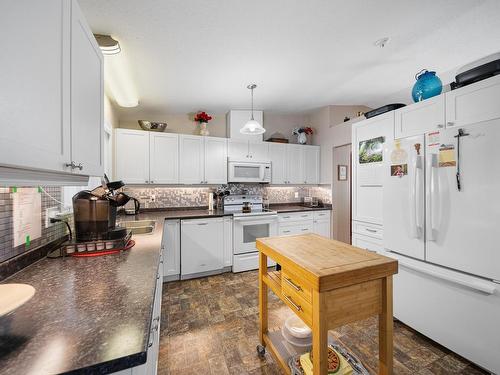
296,194
50,213
152,198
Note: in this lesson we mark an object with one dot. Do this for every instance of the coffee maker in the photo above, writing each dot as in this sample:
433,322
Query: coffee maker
94,212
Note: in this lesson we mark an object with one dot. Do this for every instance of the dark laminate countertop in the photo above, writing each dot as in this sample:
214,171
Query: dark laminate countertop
282,208
88,315
202,212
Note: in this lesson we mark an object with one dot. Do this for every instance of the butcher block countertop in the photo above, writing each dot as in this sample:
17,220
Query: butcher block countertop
327,264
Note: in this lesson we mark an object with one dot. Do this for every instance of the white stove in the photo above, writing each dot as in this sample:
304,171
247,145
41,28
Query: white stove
249,225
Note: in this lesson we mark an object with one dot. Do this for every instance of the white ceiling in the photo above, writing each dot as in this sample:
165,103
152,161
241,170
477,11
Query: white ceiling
187,55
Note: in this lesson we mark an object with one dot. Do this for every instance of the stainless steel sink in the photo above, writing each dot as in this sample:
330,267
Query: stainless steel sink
139,226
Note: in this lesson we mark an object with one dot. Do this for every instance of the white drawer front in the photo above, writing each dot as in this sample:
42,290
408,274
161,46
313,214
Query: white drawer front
368,243
295,216
321,215
285,230
368,230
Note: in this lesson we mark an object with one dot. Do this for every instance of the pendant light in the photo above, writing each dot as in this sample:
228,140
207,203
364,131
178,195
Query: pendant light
252,126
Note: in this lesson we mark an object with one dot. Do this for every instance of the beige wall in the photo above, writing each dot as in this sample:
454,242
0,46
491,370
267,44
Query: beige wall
284,124
110,113
330,131
184,124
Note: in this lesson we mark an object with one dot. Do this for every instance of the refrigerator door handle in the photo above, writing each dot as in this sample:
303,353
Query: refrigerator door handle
478,285
413,200
419,175
434,198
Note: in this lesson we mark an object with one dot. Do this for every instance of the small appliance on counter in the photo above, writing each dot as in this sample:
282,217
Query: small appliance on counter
96,232
312,202
132,208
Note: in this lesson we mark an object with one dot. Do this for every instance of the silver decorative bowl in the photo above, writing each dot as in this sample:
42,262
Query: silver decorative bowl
153,126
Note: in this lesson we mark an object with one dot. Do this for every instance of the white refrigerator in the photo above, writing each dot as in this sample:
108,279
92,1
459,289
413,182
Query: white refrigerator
441,209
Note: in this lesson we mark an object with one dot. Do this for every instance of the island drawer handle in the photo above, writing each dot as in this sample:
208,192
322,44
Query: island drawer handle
293,285
289,299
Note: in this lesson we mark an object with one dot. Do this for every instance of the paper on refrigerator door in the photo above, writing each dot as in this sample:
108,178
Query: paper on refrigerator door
27,215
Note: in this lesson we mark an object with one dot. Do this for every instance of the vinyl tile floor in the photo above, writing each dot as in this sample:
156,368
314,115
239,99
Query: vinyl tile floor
210,326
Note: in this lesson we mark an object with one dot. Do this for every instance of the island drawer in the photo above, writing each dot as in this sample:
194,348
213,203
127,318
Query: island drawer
299,306
294,286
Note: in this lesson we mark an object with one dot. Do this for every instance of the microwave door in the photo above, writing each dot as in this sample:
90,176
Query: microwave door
246,173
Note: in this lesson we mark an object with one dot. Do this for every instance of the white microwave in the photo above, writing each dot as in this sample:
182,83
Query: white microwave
248,171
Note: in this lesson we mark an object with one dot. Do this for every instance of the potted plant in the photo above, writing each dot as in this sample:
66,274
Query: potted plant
302,134
203,118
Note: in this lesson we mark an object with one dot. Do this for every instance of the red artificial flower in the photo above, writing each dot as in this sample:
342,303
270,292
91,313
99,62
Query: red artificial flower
202,117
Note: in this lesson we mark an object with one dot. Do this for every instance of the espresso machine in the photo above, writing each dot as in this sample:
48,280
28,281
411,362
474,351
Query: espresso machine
94,212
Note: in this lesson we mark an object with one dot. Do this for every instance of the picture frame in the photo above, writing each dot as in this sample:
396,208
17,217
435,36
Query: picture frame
342,172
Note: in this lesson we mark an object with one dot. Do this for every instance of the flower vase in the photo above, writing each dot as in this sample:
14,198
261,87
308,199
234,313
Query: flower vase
302,138
203,129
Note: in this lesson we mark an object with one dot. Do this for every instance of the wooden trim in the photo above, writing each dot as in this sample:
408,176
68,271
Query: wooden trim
320,334
262,297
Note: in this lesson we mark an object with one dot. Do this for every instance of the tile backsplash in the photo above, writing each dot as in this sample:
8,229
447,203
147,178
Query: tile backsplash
167,197
7,249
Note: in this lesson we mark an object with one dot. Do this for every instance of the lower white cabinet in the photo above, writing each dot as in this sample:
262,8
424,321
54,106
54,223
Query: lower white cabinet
228,241
202,247
322,223
368,236
171,246
305,222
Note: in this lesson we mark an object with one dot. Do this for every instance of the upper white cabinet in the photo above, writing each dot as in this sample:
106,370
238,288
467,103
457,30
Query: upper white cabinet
215,160
294,164
132,156
163,158
202,160
258,151
310,156
236,119
278,156
473,103
420,117
247,150
367,172
51,96
87,97
143,157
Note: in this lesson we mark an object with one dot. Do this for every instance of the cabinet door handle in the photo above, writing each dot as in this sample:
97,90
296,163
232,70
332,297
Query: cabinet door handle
202,223
304,229
293,285
440,126
152,181
450,123
289,299
371,230
71,165
286,231
304,215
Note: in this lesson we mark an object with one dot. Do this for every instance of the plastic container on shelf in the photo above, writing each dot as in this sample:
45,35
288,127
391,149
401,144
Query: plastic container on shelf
297,334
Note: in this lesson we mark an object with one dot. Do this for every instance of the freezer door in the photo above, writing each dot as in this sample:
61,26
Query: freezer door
403,201
462,225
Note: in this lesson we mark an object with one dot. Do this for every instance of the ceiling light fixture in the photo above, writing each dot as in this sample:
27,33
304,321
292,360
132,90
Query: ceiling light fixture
107,44
252,126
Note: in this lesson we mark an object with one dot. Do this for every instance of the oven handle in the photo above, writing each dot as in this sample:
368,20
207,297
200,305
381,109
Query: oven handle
256,217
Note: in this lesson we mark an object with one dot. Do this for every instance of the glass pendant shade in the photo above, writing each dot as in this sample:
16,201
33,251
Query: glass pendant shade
252,126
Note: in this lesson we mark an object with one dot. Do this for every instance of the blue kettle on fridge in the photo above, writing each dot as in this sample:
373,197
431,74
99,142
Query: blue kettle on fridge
428,85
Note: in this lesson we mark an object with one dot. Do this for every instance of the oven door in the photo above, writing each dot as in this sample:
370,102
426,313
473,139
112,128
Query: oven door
245,172
248,229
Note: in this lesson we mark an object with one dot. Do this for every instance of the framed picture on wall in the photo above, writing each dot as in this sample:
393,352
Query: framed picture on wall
342,172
